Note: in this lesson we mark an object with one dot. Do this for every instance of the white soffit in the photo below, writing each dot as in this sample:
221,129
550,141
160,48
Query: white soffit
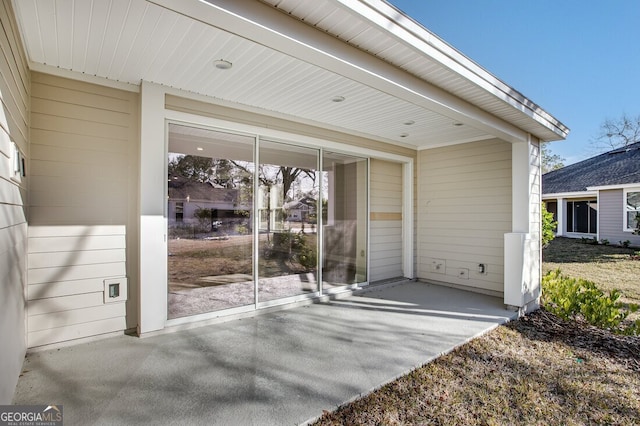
133,40
384,31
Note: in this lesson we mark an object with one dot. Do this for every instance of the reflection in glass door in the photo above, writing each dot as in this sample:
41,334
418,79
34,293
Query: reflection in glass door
345,218
288,212
209,215
225,249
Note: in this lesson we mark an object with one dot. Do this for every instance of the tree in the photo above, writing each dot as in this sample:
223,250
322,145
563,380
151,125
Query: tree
550,161
617,133
192,167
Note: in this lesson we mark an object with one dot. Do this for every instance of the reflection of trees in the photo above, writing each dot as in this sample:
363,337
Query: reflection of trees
226,173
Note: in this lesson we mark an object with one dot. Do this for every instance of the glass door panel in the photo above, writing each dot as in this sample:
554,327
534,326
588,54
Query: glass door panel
345,218
287,207
209,216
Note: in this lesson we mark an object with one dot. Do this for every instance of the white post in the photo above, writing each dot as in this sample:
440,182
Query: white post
560,213
522,252
153,225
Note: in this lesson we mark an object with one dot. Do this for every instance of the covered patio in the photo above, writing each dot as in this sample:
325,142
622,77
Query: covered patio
280,368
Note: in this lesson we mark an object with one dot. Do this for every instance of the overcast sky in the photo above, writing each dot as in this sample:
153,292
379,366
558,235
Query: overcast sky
577,59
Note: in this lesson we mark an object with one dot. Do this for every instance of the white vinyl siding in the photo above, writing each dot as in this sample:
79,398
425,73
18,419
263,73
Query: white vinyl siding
15,86
464,210
67,267
611,212
83,201
386,220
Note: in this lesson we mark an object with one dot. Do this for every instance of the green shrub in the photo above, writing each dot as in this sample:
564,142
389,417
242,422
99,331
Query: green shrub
592,241
297,247
604,241
548,226
575,298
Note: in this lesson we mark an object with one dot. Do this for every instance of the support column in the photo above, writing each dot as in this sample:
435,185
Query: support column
522,252
153,224
560,213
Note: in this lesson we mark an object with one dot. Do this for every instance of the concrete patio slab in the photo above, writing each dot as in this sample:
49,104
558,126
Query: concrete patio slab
279,368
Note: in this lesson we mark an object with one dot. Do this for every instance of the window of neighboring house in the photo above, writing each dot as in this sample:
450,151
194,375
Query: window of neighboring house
179,211
631,208
582,216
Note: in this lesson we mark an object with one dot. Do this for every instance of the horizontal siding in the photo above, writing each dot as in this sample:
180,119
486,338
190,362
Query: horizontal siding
15,87
83,198
611,219
65,281
77,331
386,220
464,210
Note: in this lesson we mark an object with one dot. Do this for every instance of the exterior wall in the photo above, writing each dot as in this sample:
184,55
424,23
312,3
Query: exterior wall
386,220
83,204
610,218
15,86
464,210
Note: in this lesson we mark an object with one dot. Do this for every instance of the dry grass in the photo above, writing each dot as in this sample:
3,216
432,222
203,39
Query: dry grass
609,267
538,370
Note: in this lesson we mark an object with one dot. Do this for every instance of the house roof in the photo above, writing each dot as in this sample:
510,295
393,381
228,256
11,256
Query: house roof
619,166
401,84
182,189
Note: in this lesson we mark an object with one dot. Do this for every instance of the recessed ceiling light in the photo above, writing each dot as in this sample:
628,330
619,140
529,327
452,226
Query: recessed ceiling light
337,99
200,148
404,135
221,64
409,122
458,124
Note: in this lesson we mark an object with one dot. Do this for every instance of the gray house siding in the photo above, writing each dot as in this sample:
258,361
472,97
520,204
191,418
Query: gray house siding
14,124
611,218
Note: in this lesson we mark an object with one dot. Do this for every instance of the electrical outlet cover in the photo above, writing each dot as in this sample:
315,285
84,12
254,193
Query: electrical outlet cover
115,290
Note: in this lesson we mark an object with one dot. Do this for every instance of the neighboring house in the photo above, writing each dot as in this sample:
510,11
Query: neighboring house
598,197
187,198
430,164
299,210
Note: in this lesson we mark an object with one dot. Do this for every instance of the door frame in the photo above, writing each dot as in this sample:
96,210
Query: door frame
154,123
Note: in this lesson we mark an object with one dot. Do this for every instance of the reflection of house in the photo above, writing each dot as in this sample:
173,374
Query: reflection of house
299,210
598,197
187,197
447,153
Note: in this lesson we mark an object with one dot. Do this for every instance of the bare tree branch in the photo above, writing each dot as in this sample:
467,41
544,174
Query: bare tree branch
617,133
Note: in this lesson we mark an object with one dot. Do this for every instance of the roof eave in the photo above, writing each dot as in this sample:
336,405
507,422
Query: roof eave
410,32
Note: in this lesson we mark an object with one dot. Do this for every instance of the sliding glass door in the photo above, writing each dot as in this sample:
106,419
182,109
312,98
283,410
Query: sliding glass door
228,251
288,211
345,218
209,216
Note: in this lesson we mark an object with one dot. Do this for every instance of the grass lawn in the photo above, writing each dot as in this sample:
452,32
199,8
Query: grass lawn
538,370
609,267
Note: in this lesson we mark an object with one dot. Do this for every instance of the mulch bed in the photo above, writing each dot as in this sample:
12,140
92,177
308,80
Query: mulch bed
545,326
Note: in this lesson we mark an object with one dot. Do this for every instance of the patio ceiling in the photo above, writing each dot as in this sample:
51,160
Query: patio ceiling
400,84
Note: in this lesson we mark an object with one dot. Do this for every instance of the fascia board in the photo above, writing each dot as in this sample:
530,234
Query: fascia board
407,31
577,194
619,186
264,25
